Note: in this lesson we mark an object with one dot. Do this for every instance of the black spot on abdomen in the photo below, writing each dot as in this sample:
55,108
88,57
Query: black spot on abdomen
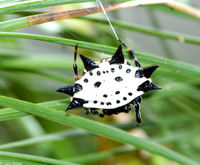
98,73
120,66
128,70
124,98
118,79
85,80
90,73
108,103
130,94
117,101
112,70
97,84
105,95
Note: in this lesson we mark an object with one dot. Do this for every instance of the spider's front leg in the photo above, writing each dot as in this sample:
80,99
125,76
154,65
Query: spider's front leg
136,103
74,64
132,53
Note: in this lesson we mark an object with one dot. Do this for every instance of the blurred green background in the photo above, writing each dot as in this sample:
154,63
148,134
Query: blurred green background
32,70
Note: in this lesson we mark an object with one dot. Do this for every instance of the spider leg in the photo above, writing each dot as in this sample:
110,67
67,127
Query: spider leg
127,108
138,99
132,53
136,104
87,111
96,112
74,64
107,112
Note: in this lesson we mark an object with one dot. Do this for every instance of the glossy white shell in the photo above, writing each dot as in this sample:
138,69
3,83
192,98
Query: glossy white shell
109,86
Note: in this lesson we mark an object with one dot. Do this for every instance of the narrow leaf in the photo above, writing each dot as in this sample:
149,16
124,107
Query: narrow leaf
167,64
32,158
95,127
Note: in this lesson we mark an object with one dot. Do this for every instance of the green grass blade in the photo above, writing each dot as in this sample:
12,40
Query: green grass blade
175,89
32,158
35,4
94,127
56,136
179,136
167,64
38,63
44,138
169,91
51,76
23,22
101,155
147,30
14,24
27,5
9,113
16,161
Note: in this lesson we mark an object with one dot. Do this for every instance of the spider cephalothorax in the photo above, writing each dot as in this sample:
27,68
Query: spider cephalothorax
110,86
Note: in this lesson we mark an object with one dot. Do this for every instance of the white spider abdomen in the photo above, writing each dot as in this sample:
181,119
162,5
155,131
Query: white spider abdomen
109,86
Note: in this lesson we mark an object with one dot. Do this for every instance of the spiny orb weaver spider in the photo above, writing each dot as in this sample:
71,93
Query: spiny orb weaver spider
111,85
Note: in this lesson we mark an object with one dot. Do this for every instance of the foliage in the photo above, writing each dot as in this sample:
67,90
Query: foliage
36,130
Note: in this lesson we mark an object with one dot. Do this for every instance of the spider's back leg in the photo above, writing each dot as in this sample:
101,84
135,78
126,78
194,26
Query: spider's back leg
136,103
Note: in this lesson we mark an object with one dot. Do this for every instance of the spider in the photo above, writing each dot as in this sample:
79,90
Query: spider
111,85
